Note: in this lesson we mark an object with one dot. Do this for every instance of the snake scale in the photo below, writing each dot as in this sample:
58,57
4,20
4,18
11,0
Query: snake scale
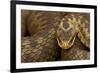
48,35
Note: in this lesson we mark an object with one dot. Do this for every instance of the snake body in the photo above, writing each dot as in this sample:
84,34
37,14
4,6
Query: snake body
50,31
42,45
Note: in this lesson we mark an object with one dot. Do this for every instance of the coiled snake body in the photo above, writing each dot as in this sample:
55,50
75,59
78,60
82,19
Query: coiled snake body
50,31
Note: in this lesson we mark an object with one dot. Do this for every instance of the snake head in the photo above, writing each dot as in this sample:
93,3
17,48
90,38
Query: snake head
70,27
66,33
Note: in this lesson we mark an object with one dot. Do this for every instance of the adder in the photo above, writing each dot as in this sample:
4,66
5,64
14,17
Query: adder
53,36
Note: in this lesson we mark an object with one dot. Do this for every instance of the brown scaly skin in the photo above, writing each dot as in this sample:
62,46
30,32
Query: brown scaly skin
77,52
84,30
42,45
39,48
42,20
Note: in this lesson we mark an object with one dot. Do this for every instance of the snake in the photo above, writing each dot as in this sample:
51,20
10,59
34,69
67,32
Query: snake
53,35
72,25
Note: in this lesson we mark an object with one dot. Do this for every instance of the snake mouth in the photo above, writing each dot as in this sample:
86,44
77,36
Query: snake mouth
66,44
